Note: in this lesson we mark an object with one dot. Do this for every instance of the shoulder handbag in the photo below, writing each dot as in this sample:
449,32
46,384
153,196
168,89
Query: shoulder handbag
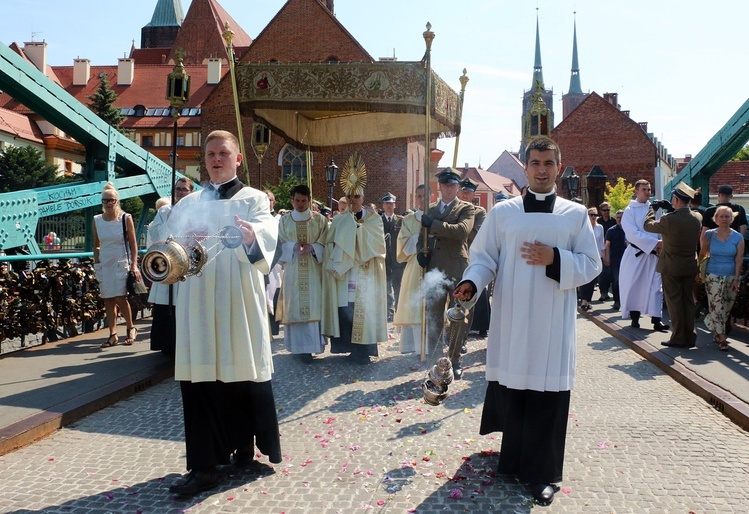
706,259
134,287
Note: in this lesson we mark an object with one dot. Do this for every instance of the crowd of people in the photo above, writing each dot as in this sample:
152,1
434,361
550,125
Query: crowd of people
334,280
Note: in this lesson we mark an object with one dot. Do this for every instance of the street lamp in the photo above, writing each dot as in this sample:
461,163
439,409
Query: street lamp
573,183
331,174
177,93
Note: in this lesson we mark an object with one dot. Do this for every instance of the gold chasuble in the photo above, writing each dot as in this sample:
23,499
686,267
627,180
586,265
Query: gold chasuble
302,274
355,273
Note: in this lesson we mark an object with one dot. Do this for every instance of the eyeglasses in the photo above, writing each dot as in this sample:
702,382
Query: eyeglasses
606,210
183,190
108,200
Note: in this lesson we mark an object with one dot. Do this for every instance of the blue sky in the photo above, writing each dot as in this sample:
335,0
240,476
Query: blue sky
680,66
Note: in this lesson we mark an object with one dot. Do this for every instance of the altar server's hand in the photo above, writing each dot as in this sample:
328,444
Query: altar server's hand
248,233
465,290
537,254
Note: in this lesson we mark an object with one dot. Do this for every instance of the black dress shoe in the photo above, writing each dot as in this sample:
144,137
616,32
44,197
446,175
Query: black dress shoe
635,323
464,349
195,482
306,358
660,327
543,493
672,344
457,372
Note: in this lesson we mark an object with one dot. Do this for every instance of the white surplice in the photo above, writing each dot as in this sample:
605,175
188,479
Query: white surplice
639,284
531,344
222,317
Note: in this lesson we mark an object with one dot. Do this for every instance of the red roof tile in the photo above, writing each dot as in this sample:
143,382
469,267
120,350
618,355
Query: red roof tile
20,125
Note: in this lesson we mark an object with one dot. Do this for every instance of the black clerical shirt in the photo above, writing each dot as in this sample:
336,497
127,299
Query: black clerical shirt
532,204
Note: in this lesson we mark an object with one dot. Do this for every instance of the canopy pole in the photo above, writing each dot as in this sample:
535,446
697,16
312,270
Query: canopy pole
428,38
463,81
228,35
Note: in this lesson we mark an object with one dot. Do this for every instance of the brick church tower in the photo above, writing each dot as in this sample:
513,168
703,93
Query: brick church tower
575,95
533,98
164,26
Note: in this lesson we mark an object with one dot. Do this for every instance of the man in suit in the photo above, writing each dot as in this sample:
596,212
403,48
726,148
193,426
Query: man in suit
677,263
391,224
449,223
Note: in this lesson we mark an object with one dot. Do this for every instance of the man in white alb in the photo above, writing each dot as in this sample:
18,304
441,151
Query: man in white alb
538,248
640,289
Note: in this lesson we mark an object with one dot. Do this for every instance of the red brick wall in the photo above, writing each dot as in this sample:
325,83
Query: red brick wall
731,174
598,133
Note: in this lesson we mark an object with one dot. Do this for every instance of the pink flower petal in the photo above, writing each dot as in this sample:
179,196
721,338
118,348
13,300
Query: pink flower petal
456,494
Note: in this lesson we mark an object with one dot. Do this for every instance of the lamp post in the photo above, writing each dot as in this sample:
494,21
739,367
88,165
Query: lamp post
573,183
177,93
331,173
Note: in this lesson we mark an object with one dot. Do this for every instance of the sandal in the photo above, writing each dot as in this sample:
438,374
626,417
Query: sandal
130,337
723,346
111,341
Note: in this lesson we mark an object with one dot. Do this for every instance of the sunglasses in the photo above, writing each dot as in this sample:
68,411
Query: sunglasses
592,215
606,210
108,200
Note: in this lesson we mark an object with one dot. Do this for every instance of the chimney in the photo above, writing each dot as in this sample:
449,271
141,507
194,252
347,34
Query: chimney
37,54
214,70
125,71
81,71
329,5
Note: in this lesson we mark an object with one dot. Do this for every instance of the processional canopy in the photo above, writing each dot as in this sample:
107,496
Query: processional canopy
319,105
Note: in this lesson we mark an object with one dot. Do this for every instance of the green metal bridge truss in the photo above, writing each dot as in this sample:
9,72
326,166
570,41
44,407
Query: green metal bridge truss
721,148
146,175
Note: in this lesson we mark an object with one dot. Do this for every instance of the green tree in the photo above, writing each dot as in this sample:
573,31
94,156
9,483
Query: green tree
281,191
619,195
102,103
24,167
743,154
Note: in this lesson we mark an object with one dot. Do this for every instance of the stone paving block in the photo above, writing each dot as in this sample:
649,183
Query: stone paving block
360,438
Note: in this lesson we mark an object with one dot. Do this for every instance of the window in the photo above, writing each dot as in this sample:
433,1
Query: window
294,163
146,141
140,110
180,140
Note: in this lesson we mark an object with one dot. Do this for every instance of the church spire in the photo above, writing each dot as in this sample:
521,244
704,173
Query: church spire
538,75
575,76
168,13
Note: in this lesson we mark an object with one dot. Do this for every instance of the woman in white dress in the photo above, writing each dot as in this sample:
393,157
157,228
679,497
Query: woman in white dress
112,262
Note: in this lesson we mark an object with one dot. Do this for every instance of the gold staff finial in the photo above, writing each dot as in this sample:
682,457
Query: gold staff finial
428,36
228,35
463,81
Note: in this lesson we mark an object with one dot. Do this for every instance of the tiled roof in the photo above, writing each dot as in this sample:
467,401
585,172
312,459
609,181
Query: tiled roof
20,125
150,55
489,181
148,89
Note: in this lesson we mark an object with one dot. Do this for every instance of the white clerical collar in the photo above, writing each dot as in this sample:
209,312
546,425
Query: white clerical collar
215,185
301,216
542,196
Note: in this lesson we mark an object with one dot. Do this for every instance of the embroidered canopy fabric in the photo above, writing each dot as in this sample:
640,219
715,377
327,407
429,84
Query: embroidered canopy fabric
331,104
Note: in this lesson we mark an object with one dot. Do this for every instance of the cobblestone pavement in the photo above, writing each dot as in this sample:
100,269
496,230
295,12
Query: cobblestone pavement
360,439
